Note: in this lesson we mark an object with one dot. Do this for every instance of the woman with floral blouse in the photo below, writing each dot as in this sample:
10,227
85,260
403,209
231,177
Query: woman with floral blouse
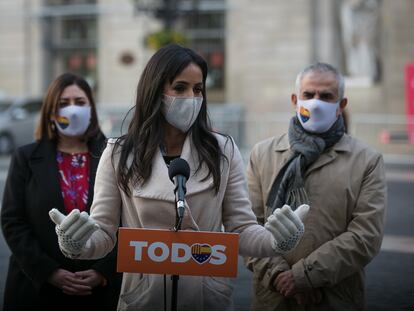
57,171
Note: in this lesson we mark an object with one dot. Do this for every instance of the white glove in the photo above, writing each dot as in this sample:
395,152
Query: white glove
73,230
287,227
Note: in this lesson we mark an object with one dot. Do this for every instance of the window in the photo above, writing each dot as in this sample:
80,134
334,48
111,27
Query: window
72,40
205,30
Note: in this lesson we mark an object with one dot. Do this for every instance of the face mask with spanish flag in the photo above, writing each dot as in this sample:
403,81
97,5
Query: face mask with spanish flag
316,116
73,120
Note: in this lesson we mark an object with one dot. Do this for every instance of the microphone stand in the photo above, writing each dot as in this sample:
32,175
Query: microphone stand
180,205
179,172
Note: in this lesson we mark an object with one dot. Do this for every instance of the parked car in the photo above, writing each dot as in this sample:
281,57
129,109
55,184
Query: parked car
18,119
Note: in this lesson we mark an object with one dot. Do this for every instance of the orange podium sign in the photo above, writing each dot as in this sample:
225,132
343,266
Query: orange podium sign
177,253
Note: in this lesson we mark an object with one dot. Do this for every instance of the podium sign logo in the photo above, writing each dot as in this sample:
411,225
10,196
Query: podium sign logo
177,253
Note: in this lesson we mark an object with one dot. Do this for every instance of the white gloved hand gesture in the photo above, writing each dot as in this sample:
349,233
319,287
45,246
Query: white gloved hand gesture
73,230
287,227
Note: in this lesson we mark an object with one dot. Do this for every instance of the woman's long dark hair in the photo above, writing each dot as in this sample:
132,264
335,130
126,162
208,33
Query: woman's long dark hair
145,132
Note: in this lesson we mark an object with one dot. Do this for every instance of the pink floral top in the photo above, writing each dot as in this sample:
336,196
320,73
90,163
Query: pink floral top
74,179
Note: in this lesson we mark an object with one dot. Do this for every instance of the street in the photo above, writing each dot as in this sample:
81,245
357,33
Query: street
389,281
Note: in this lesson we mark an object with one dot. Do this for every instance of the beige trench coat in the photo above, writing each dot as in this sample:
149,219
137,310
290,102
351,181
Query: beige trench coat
343,230
152,206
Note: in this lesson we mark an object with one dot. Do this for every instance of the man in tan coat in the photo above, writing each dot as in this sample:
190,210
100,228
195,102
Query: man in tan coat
341,179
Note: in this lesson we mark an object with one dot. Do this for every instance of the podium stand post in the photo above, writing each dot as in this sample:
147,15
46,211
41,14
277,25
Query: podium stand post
177,227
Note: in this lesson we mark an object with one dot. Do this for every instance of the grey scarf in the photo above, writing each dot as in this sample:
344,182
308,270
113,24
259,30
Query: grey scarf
289,186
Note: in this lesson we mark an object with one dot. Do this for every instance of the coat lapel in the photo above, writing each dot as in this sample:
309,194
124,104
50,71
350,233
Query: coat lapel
282,146
160,187
195,183
44,167
324,159
330,155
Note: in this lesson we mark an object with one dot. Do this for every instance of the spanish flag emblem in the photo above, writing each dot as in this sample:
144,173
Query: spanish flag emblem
63,122
304,114
201,252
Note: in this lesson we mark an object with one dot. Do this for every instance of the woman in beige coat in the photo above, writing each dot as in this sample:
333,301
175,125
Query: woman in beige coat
132,186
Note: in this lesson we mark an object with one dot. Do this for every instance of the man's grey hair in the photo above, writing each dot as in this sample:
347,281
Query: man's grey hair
322,68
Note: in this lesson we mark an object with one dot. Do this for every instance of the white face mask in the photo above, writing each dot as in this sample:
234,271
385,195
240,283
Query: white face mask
181,112
315,115
73,120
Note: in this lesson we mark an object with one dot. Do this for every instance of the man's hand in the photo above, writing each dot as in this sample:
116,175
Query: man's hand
285,284
287,227
73,230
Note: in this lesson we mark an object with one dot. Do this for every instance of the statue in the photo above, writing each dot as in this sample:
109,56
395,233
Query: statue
359,25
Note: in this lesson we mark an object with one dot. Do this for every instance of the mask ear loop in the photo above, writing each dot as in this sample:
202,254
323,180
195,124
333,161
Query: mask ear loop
54,124
169,102
170,105
194,103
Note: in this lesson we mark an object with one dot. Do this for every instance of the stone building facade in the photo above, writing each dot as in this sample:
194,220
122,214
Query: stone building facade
255,51
270,42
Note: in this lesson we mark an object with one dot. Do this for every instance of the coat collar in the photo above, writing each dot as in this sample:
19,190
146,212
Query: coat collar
160,187
282,143
343,145
45,171
95,147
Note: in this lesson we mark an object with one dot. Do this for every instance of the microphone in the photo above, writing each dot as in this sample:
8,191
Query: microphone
179,172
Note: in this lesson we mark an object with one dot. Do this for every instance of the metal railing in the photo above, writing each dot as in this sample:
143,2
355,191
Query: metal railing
385,132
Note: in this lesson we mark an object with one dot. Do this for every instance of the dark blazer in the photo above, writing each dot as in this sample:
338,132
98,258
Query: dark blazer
32,189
